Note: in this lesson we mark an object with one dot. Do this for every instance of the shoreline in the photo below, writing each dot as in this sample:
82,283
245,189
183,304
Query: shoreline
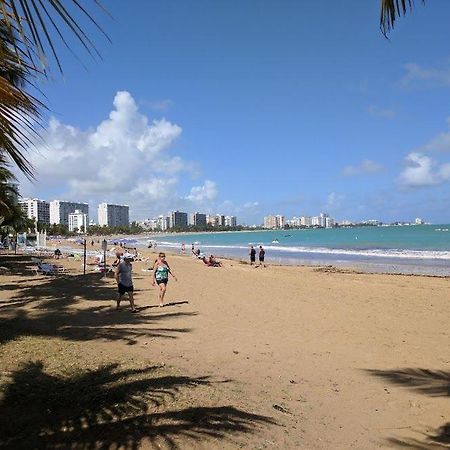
324,266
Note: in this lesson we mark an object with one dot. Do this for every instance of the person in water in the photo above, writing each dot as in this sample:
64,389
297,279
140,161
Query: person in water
125,281
161,270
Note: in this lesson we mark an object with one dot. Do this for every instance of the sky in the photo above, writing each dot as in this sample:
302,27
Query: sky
252,108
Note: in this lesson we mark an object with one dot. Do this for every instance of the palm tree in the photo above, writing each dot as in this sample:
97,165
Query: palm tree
391,10
27,36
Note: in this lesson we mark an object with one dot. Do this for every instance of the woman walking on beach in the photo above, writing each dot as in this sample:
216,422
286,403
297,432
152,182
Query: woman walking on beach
161,272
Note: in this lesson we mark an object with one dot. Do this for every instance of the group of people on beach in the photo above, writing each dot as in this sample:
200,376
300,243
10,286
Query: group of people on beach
123,275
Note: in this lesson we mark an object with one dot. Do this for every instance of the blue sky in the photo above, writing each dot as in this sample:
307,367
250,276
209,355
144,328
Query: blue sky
256,107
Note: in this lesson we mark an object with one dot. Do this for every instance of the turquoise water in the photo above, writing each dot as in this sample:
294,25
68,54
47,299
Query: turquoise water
414,249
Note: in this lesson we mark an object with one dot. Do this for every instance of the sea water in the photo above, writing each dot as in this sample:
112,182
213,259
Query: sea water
416,249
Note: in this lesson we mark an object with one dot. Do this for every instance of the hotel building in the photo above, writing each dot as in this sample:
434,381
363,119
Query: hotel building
38,210
78,220
60,210
113,215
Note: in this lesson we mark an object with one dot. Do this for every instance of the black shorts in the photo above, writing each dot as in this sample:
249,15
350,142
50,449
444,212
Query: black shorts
261,259
122,289
252,259
164,281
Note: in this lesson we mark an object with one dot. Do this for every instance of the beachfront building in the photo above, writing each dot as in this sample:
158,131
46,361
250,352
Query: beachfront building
197,219
419,221
220,220
178,219
230,221
78,221
38,210
274,222
315,221
113,215
211,219
305,221
60,210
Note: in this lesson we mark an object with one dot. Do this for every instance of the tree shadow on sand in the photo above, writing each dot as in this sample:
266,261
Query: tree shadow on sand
434,383
54,307
111,407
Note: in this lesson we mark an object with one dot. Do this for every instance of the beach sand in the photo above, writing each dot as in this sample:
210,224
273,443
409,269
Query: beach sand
331,359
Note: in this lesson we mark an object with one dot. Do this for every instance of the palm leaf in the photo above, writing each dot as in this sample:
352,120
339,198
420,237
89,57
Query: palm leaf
391,10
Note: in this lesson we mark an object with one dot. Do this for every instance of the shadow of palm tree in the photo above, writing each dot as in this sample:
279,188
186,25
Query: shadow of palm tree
53,309
434,383
110,408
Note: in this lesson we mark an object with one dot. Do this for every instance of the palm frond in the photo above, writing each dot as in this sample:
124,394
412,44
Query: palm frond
391,10
38,22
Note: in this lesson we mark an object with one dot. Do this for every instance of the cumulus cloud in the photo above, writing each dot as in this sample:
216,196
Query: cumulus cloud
367,166
205,193
421,170
127,158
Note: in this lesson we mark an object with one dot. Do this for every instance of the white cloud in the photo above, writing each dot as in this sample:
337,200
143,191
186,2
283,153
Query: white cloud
127,158
366,166
416,73
384,113
160,105
205,193
421,171
334,200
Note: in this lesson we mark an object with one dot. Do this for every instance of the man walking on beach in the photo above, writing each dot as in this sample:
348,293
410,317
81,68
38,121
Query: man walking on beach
262,254
252,255
124,281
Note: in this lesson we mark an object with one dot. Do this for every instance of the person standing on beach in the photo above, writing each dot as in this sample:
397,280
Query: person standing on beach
161,270
252,255
262,254
125,282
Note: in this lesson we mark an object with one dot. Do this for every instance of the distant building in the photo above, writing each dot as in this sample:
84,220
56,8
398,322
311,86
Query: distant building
178,219
197,219
274,222
78,221
315,221
305,221
220,220
211,220
60,210
38,210
230,221
419,221
113,215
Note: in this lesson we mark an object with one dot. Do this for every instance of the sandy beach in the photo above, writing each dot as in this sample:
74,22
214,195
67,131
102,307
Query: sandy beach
314,358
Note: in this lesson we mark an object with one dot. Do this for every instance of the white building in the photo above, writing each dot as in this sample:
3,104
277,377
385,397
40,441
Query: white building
78,221
38,210
305,221
113,215
230,221
419,221
60,210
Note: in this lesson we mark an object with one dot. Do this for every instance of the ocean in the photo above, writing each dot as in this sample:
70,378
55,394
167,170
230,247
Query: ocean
415,249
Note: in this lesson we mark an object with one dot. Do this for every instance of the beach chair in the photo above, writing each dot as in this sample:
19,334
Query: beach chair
46,269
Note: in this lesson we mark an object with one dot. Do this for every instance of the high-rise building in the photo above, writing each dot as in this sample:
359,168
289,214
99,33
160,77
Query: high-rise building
38,210
198,219
419,221
78,221
178,219
220,220
230,221
113,215
315,221
211,220
323,219
60,210
305,221
272,222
